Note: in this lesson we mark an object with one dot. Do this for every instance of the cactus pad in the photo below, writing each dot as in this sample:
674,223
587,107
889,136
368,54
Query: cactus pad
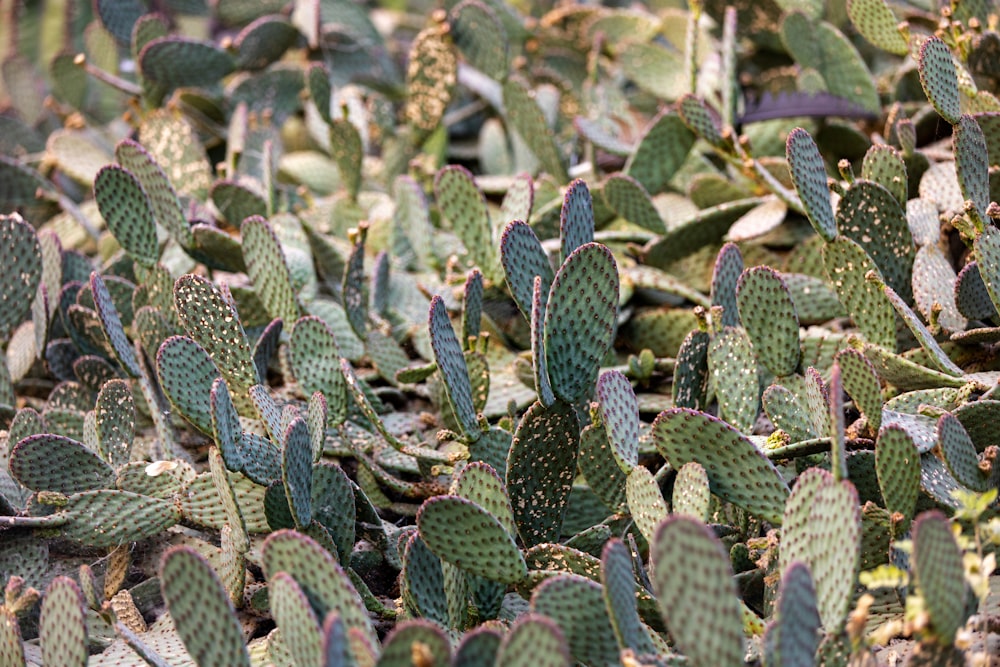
939,79
704,619
681,435
540,470
201,611
937,562
580,319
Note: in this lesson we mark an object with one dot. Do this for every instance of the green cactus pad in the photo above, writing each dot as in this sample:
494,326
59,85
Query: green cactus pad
620,415
48,462
939,79
11,647
480,483
473,301
540,470
987,252
112,325
704,619
412,638
885,165
870,216
422,582
445,524
768,314
106,518
296,471
451,362
268,269
115,420
701,119
126,208
692,494
333,506
823,530
576,604
174,62
479,647
200,609
315,359
972,163
795,634
737,471
788,412
599,466
809,176
523,258
543,383
527,119
725,275
618,581
733,372
464,206
62,628
186,375
295,618
937,564
660,152
645,501
576,219
165,206
226,428
534,640
481,37
691,371
860,381
629,199
580,319
211,320
959,454
326,584
877,23
21,259
846,264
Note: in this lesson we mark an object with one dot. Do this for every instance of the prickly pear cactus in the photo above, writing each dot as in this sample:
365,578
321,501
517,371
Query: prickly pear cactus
499,333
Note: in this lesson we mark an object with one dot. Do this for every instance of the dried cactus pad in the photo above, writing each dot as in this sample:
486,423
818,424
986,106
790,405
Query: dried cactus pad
694,587
20,271
737,471
580,318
